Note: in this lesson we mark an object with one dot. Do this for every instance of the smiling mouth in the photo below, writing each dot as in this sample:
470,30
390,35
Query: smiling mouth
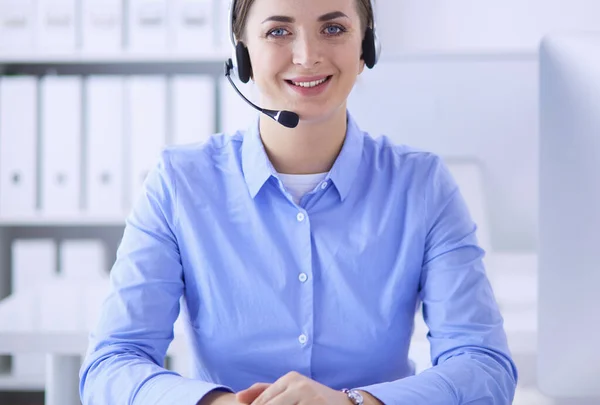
309,85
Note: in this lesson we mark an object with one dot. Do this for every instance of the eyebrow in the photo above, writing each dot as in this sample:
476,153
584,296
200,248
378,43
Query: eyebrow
325,17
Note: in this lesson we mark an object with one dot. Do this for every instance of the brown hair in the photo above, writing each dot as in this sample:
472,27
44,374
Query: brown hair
242,8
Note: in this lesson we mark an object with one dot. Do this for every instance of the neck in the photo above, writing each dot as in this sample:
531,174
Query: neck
311,147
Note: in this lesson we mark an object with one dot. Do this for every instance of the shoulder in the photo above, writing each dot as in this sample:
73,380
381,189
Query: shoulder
381,151
205,156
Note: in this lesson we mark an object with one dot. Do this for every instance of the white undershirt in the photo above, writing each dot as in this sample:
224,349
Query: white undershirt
299,184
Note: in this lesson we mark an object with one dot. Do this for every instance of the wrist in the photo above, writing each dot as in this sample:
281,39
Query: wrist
369,399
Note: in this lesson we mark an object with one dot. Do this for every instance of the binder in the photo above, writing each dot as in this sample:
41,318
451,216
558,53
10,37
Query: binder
56,26
33,264
105,137
33,267
236,114
18,146
61,145
147,114
102,26
71,302
17,25
191,27
193,107
61,306
147,26
83,261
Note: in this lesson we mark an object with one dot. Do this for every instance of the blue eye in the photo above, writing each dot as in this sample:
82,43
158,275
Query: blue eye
334,30
278,32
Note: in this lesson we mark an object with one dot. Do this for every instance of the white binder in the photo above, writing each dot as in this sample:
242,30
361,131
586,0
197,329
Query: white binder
191,27
236,114
33,266
17,25
147,110
105,132
61,145
193,107
147,22
18,143
56,26
102,25
83,261
83,267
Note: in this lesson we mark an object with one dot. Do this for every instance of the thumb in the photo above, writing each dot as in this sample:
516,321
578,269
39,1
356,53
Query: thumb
248,395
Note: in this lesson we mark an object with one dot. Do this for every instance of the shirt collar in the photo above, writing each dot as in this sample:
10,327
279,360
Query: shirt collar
346,166
255,162
258,169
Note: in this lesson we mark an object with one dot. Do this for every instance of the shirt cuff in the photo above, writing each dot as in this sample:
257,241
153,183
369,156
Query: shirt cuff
168,389
424,389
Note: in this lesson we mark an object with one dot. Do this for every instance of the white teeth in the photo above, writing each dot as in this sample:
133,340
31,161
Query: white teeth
310,84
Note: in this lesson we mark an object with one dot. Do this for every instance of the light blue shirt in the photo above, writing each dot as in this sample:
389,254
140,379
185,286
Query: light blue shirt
327,288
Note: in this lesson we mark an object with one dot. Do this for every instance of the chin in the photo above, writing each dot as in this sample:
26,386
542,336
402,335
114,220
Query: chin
316,114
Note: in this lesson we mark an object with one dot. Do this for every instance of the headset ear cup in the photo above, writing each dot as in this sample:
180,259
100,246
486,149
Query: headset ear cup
243,62
368,48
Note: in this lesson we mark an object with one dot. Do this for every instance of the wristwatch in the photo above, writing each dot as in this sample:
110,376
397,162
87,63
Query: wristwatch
354,396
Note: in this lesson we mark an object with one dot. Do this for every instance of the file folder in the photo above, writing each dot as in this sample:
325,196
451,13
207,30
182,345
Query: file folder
148,125
33,266
56,26
191,25
17,25
102,26
83,266
193,107
61,145
147,26
18,146
105,139
83,261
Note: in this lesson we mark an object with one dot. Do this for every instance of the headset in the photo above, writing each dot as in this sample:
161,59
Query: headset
240,64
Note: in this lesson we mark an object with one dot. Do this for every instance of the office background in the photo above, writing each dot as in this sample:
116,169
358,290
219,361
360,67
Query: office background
91,90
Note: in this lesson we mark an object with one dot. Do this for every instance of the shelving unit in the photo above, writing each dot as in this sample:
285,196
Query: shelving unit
80,225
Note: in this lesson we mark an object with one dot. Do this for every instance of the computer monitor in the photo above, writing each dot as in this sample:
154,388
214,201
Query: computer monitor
569,222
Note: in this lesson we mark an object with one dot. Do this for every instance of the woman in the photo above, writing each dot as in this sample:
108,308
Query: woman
301,252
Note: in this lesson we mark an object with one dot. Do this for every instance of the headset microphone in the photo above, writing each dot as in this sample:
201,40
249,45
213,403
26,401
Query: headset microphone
286,118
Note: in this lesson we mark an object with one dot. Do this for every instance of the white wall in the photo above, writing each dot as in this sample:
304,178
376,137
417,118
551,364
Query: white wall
481,109
460,78
468,25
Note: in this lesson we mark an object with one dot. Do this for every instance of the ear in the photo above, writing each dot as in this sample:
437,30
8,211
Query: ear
361,67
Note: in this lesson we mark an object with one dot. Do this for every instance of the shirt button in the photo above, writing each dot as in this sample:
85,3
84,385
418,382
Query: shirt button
324,185
303,339
302,277
300,217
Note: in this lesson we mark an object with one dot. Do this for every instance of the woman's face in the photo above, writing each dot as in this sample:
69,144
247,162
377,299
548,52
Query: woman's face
295,45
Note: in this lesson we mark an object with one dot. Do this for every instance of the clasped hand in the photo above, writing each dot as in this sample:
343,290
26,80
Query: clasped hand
292,389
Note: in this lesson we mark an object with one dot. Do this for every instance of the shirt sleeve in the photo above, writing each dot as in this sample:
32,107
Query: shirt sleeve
469,350
128,347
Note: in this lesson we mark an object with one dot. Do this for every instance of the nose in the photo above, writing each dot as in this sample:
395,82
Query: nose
306,51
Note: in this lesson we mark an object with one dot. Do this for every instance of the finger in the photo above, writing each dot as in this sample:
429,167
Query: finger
291,396
250,394
271,392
